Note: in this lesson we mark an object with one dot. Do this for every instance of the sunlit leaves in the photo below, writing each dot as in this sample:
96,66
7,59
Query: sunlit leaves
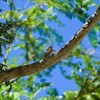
33,34
73,95
92,36
70,95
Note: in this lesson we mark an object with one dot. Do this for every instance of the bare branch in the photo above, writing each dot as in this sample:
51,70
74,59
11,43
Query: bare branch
55,58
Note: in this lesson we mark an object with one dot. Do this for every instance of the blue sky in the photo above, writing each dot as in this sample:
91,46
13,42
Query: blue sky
67,32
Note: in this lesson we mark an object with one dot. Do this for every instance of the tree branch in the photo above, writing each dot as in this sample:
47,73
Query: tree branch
33,68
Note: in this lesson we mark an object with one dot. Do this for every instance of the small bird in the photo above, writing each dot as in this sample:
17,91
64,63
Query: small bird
48,52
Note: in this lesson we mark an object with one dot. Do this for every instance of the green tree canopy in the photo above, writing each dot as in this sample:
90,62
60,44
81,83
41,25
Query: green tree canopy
24,36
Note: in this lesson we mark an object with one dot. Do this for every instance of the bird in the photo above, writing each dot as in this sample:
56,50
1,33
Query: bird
48,52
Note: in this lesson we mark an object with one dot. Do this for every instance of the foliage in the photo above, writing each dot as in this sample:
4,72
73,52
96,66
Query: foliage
27,32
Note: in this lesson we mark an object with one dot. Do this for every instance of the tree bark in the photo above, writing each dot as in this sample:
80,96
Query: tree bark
33,68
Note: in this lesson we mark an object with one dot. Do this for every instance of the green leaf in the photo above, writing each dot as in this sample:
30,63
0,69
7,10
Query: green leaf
92,36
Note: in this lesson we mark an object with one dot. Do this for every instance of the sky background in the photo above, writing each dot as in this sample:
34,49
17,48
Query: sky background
70,28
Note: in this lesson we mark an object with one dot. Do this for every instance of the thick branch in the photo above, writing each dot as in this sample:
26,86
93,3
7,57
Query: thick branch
53,59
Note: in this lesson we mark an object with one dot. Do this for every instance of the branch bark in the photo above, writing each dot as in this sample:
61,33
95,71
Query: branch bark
33,68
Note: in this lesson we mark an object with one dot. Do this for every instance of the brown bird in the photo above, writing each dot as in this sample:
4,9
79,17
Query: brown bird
48,52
